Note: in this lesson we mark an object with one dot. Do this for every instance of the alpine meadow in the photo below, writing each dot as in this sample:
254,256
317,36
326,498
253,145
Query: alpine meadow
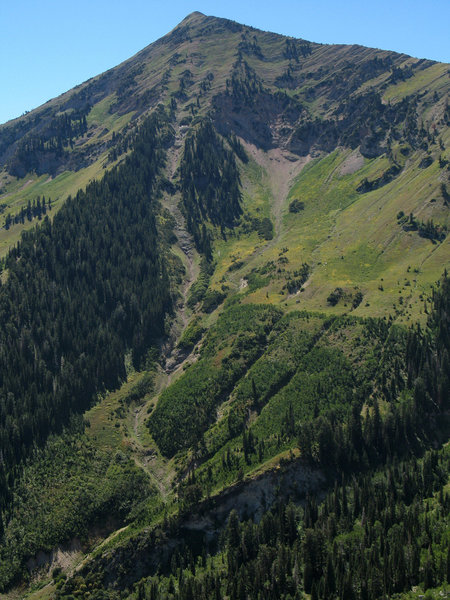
225,326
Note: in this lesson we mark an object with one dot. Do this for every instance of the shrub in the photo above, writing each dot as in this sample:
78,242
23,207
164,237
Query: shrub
335,296
296,206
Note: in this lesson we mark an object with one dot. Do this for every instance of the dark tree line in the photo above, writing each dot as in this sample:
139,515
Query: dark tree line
244,85
359,443
210,184
428,229
61,132
80,292
36,208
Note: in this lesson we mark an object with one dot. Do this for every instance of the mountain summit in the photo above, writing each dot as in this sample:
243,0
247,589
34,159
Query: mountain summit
314,80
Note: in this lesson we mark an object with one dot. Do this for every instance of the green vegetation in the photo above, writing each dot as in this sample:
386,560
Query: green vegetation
296,205
185,410
381,528
44,152
200,286
192,334
209,184
353,544
144,386
428,230
70,310
69,488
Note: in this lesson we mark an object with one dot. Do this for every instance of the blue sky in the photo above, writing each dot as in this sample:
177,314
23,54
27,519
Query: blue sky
49,46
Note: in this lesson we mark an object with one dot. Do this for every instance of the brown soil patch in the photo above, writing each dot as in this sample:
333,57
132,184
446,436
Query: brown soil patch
352,163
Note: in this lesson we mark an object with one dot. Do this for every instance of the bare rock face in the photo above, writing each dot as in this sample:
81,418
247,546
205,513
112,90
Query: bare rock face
61,556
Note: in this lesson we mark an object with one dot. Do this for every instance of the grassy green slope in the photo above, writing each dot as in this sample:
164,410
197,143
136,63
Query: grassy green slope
351,240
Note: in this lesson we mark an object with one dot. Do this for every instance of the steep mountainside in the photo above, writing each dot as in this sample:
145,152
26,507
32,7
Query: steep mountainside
381,115
224,286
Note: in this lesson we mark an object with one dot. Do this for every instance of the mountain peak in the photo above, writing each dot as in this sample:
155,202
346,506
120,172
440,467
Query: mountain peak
192,17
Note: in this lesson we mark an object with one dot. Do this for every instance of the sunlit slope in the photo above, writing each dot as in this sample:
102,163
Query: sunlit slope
190,70
350,239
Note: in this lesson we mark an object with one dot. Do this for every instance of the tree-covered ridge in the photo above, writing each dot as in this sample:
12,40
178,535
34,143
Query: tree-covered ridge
187,408
210,184
302,380
80,292
244,85
35,209
428,353
370,538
